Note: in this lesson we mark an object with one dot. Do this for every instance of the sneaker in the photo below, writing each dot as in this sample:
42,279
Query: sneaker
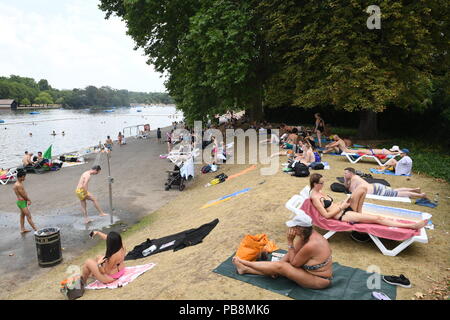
359,237
401,281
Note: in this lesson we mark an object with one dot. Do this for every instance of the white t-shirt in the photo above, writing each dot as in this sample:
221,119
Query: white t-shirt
404,166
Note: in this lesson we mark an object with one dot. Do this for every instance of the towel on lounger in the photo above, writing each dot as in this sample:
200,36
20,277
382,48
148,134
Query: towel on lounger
130,274
388,172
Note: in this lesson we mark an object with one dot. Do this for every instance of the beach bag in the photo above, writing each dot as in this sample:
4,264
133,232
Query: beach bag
300,170
317,166
206,169
72,288
253,246
338,187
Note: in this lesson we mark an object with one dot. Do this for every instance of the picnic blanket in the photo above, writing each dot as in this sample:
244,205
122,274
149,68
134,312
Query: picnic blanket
387,172
130,274
348,283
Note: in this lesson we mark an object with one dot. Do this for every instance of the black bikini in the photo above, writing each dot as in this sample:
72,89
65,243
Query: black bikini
327,203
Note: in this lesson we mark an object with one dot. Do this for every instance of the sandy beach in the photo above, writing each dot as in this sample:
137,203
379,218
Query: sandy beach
187,274
139,176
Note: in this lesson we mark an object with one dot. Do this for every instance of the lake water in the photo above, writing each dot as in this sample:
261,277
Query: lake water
82,128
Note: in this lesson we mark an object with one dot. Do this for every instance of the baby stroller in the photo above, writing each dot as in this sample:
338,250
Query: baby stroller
175,179
183,158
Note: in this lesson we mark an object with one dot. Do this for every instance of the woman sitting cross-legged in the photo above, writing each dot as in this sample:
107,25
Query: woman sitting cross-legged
308,261
350,210
109,267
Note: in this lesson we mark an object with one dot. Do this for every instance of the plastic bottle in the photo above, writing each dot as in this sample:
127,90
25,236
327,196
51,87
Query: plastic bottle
147,251
436,198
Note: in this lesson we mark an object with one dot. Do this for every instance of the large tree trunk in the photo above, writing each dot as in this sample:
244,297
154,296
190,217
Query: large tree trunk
256,108
368,127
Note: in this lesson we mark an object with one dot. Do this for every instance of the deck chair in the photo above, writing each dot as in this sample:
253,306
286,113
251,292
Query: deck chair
299,203
10,176
355,157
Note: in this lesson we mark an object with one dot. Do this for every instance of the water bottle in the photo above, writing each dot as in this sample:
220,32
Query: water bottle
147,251
436,198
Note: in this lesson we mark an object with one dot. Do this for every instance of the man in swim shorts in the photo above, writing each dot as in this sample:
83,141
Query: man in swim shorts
352,181
23,202
83,194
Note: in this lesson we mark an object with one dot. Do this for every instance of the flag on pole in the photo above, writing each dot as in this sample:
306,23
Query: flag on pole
48,153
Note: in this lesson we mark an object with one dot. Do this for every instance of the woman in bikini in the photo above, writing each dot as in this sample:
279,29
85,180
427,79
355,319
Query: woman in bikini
350,210
320,128
308,261
109,267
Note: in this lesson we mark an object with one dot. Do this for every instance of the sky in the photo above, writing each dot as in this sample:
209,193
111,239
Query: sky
69,43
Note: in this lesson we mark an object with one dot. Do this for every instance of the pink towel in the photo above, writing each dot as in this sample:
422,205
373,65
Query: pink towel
130,274
392,233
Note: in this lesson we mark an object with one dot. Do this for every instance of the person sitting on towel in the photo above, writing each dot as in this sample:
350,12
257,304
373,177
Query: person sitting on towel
338,146
110,267
307,157
401,167
350,210
352,181
308,261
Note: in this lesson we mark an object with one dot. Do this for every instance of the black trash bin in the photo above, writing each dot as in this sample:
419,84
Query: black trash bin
48,246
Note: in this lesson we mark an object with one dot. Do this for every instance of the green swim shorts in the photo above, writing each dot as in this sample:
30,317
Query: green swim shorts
21,204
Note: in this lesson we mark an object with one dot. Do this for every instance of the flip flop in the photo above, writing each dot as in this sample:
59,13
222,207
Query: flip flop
380,296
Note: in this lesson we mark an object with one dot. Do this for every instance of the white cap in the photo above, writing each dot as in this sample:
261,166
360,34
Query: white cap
395,148
301,219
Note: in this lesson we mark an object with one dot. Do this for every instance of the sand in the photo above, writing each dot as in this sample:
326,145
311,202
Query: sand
187,274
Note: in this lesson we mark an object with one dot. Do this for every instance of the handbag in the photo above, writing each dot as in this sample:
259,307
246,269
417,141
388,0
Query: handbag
253,246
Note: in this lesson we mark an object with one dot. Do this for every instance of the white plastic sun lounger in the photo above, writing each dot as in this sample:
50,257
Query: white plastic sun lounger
296,203
10,176
354,157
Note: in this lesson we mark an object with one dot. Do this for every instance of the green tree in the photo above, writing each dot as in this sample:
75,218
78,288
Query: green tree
44,98
330,57
43,85
25,102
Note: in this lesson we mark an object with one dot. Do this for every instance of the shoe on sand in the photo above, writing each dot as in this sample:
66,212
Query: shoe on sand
359,236
401,281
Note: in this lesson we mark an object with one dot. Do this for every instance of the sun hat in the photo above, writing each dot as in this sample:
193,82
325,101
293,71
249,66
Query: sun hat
405,151
301,219
394,148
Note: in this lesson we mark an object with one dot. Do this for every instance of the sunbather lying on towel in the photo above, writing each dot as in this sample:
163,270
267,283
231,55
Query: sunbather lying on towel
350,210
352,182
110,267
308,261
395,150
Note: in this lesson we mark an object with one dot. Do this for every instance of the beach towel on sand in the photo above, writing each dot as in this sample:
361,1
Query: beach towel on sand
387,172
176,241
130,274
347,284
368,180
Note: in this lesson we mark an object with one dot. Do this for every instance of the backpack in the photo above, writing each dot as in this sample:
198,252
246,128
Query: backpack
222,177
317,166
338,187
363,175
300,170
206,169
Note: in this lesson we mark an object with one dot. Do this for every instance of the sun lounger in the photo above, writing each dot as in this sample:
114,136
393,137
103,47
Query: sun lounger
355,157
10,176
375,231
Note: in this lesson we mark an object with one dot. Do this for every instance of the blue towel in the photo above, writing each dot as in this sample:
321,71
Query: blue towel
426,203
388,172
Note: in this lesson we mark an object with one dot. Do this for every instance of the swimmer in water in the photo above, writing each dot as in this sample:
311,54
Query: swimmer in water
54,133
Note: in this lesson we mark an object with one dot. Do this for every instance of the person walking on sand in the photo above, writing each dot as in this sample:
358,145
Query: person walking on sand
23,202
319,128
83,194
119,137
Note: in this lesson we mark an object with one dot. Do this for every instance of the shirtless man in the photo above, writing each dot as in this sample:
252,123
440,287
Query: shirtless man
352,181
26,160
83,194
338,146
23,202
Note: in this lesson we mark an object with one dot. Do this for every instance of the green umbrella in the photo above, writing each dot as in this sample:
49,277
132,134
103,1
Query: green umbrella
48,153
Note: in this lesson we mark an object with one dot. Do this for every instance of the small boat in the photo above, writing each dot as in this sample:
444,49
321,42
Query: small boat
2,121
35,112
139,110
108,111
